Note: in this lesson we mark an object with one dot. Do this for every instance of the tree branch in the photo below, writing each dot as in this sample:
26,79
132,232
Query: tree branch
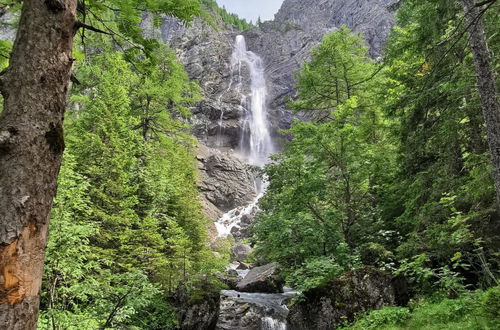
80,24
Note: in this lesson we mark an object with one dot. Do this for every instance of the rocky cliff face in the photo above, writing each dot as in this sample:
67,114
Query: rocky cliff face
205,50
372,18
284,44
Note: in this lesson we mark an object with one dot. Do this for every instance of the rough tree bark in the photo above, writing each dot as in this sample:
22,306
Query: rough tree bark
31,145
486,84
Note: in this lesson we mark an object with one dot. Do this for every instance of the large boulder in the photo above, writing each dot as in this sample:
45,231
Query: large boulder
342,299
225,181
262,279
240,252
198,307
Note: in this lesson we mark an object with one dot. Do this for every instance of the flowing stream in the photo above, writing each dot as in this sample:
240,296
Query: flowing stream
256,145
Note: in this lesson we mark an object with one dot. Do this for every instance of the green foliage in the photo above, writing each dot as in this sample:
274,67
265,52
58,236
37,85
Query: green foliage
378,319
445,279
5,49
393,167
122,19
490,305
464,312
375,254
442,200
338,71
322,186
314,272
127,228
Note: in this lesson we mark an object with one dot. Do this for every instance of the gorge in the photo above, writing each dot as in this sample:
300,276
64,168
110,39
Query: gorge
332,168
244,108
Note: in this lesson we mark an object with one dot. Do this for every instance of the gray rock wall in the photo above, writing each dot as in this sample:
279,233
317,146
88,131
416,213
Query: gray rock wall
286,42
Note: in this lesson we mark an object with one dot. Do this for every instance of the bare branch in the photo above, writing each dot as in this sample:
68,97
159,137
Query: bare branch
80,24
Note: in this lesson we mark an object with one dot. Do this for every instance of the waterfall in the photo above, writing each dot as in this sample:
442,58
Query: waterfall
268,323
256,144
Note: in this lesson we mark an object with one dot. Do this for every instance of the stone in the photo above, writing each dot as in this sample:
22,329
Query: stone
244,266
225,182
247,311
341,299
240,252
247,219
262,279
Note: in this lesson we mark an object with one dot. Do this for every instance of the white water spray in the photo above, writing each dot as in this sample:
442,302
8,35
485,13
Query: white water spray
269,323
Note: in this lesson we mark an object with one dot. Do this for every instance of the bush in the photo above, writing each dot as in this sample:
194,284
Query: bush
490,305
374,254
472,311
383,317
314,272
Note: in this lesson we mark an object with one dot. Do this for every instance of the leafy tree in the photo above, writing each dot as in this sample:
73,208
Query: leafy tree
140,194
34,87
322,186
443,199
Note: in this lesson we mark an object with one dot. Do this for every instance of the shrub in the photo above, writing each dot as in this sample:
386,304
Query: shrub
383,317
314,272
490,305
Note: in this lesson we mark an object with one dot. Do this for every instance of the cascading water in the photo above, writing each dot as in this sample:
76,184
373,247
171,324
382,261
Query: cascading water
255,147
256,143
268,323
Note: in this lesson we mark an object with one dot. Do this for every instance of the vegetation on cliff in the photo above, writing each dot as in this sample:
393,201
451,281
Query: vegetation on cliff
228,18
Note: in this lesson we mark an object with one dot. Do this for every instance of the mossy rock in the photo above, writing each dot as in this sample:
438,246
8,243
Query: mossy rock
342,298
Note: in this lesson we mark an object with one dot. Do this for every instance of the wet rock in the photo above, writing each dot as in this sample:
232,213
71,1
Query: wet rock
240,252
247,219
342,299
252,311
200,316
243,230
262,279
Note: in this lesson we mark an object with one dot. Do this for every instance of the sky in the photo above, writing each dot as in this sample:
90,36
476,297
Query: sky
252,9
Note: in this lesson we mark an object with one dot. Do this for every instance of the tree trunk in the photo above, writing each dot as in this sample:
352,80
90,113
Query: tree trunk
485,84
31,145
